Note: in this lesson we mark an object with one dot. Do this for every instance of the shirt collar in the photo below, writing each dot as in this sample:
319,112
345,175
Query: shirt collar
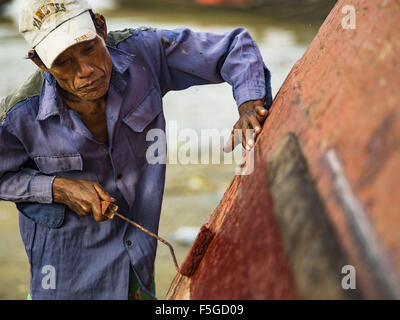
120,59
50,102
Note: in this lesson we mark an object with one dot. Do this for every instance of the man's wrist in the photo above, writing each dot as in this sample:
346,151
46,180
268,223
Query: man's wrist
58,189
245,94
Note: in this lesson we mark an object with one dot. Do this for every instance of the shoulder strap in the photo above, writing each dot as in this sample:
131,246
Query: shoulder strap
115,37
29,89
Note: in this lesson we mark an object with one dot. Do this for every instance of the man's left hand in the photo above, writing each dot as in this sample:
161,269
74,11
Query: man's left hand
252,116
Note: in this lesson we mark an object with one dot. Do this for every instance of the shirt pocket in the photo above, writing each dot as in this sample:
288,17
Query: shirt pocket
144,114
59,163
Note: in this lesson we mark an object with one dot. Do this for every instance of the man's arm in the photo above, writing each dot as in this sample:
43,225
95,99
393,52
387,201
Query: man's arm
194,58
18,183
23,184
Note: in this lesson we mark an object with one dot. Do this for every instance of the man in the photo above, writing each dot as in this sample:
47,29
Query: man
75,134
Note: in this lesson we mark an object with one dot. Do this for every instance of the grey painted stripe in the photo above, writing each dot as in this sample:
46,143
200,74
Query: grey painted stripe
311,243
384,279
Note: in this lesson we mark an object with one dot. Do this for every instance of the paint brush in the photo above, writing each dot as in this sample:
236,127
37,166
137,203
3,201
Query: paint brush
197,252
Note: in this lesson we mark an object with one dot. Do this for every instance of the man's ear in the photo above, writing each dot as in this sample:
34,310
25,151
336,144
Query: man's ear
102,22
36,60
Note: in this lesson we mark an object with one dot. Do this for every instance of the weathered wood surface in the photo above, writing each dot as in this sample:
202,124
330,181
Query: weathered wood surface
340,108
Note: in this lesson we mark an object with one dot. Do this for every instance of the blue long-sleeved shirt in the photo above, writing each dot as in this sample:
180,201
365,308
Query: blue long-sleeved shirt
41,138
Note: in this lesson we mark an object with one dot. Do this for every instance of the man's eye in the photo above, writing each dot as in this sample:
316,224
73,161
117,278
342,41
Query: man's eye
89,50
61,63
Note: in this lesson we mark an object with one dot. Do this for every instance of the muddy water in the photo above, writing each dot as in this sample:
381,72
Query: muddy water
193,191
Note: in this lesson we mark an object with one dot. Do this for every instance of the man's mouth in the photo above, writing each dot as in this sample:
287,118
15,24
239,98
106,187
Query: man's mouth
90,85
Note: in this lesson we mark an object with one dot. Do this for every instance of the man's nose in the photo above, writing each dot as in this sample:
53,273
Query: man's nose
85,70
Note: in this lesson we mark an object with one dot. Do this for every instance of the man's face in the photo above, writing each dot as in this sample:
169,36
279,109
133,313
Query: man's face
84,70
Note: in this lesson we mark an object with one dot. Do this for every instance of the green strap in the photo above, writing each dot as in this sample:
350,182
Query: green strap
135,292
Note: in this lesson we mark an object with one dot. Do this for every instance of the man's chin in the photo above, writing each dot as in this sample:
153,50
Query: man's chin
94,95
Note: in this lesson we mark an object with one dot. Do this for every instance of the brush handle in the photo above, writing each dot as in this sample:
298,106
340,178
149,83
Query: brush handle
152,235
110,211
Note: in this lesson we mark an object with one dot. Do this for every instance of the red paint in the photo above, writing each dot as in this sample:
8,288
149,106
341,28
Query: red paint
199,248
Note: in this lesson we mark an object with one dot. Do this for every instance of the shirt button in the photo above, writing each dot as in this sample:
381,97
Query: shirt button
128,243
119,176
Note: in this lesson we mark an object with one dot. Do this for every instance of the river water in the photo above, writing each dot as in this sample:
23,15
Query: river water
192,191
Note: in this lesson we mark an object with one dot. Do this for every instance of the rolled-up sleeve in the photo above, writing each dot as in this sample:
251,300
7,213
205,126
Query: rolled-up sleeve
19,183
194,58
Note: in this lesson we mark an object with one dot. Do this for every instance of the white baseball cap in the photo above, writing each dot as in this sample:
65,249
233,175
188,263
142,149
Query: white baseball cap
51,27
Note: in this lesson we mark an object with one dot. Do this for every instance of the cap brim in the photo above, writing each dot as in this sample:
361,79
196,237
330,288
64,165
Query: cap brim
78,29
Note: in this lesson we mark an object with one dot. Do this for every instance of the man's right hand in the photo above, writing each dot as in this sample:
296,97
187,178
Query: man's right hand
82,196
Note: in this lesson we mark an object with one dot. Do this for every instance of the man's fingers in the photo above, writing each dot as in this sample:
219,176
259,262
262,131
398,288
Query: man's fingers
247,139
82,209
234,138
96,210
233,141
229,144
245,132
103,195
255,124
242,133
96,204
261,111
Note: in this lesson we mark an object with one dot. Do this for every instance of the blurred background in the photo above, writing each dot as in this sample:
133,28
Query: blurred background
282,29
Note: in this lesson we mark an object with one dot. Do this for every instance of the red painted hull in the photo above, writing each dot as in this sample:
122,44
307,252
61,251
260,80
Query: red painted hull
341,101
